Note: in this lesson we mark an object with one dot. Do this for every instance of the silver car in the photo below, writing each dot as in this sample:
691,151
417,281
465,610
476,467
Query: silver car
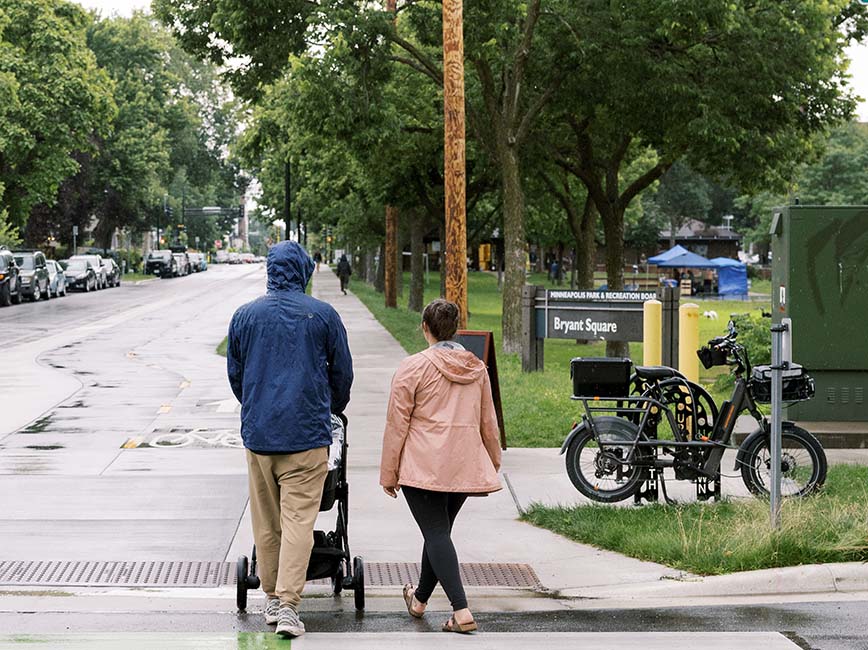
56,279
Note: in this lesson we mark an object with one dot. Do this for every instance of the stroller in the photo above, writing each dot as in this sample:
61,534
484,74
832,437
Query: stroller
330,556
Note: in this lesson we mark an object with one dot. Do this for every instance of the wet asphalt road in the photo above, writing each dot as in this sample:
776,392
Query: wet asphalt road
816,626
136,364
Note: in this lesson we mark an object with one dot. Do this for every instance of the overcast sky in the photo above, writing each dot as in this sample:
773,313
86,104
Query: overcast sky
858,55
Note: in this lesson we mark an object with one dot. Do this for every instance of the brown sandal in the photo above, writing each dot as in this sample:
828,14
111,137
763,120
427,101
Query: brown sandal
409,595
461,628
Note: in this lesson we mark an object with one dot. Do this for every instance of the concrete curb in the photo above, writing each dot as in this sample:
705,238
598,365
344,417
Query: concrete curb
808,579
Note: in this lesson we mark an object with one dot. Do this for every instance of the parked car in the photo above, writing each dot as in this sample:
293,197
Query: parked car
194,262
160,262
183,263
112,272
57,279
35,283
248,258
222,257
98,264
10,279
80,274
234,258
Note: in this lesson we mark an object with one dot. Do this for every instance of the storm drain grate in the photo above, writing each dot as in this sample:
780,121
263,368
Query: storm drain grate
217,574
115,574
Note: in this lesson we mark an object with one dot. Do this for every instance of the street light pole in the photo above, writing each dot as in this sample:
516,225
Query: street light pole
454,156
287,198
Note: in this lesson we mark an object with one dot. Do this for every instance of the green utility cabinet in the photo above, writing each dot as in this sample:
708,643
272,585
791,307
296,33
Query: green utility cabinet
820,281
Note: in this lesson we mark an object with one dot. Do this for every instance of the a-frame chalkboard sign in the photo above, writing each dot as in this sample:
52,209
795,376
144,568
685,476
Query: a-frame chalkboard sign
482,345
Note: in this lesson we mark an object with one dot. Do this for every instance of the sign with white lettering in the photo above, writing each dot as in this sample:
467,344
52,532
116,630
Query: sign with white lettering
591,315
594,322
600,296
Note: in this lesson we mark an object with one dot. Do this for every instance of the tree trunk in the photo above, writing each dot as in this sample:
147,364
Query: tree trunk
417,265
613,226
380,280
584,229
514,247
442,258
399,261
371,266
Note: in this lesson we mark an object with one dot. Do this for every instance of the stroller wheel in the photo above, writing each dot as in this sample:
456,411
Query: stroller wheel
359,582
241,573
338,580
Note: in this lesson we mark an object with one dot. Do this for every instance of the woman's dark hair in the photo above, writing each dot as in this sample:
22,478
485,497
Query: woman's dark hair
441,317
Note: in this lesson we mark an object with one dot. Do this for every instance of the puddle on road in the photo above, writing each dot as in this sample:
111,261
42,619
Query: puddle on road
40,425
44,447
79,404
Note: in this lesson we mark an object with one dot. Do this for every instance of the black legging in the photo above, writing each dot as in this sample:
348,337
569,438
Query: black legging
435,513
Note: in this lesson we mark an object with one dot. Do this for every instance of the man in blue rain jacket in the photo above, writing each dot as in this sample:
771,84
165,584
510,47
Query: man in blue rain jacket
290,367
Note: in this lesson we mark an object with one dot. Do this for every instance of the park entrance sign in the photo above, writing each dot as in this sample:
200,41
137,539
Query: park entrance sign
590,316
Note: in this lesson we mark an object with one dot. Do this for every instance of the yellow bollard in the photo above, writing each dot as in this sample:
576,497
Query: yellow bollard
688,341
652,333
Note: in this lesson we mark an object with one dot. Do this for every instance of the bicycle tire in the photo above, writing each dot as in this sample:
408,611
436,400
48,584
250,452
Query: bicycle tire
750,456
611,429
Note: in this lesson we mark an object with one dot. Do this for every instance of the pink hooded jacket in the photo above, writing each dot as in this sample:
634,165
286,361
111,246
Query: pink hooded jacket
441,429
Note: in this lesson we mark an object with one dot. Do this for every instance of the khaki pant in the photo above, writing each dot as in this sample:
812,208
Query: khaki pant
285,493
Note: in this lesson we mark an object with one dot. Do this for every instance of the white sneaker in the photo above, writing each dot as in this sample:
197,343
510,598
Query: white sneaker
288,623
272,609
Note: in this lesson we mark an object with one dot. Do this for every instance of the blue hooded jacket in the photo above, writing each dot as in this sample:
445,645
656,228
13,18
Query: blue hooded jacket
288,360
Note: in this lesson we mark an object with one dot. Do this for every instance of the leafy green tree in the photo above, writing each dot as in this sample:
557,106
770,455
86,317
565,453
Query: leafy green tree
682,195
54,98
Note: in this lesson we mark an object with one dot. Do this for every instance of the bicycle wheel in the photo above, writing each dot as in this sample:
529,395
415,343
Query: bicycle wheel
604,474
803,463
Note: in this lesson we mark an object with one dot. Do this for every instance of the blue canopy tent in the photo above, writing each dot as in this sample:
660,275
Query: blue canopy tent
731,277
685,260
675,251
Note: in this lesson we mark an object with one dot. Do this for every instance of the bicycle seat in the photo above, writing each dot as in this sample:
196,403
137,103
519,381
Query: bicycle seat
653,373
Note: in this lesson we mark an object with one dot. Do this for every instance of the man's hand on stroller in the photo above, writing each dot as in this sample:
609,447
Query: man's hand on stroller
392,490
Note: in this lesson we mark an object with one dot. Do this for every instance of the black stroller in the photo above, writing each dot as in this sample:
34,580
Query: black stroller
330,556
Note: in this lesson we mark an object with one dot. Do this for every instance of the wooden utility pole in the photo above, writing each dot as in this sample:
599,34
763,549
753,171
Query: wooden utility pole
454,156
390,284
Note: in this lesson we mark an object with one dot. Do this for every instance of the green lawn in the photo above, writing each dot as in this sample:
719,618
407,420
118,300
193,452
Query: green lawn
537,408
715,538
135,277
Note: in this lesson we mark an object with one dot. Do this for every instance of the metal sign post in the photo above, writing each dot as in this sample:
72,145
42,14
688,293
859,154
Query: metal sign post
779,332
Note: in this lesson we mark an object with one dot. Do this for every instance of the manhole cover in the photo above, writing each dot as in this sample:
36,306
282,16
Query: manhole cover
216,574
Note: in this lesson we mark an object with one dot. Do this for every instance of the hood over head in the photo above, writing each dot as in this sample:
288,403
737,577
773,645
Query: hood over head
458,366
289,267
343,258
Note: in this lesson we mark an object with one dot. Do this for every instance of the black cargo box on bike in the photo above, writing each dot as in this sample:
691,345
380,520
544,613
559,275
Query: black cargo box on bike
797,384
600,376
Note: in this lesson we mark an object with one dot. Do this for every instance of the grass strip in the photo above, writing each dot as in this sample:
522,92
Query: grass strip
734,535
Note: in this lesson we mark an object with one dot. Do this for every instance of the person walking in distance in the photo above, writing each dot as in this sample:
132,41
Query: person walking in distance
317,258
290,367
441,444
344,272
